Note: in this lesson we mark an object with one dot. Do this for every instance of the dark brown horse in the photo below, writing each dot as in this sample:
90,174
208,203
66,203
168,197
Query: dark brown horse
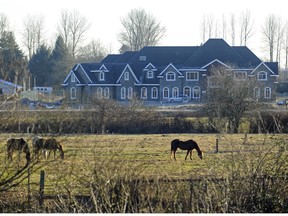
188,145
47,145
20,145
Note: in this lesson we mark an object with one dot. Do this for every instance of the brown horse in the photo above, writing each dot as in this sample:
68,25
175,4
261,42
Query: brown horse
188,145
18,144
47,145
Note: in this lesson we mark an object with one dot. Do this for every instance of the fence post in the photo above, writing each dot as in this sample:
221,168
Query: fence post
41,188
217,146
28,186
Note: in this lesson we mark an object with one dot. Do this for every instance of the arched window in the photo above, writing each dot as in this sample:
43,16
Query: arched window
106,92
144,93
99,93
73,93
170,76
262,76
267,92
126,76
165,92
150,74
154,93
130,93
123,93
196,92
175,92
257,93
187,91
101,76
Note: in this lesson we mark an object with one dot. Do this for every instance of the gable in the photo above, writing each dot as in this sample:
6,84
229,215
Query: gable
130,71
169,68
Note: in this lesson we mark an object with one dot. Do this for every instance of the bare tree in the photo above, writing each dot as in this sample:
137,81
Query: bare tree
33,33
72,27
279,40
95,51
269,31
246,27
140,29
232,29
210,25
203,28
229,97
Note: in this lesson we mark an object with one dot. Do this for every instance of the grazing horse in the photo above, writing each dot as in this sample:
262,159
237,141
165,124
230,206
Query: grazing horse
188,145
47,145
18,144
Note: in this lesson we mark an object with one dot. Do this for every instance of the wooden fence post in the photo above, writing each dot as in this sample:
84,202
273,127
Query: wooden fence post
217,146
41,188
28,185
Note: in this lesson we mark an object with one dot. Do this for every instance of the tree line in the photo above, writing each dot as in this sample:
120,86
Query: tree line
42,64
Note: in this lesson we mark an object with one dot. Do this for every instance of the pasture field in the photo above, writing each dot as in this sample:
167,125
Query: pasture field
92,158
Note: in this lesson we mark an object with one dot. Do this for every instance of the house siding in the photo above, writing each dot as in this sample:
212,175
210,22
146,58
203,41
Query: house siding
128,77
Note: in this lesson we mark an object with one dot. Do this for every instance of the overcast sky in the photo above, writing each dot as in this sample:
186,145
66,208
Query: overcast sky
182,18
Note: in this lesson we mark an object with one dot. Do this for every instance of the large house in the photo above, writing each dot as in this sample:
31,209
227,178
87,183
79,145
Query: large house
161,72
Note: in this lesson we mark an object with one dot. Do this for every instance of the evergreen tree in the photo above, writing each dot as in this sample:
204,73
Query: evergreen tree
40,67
13,65
61,62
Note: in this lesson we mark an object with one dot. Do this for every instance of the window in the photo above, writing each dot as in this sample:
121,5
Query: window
150,74
267,92
187,91
154,93
196,92
99,93
175,92
72,77
257,93
192,76
165,92
240,75
123,93
130,93
144,93
73,93
170,76
126,76
106,92
101,76
262,76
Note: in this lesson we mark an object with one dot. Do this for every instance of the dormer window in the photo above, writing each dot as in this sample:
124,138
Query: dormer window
150,74
262,76
170,76
126,76
101,76
72,78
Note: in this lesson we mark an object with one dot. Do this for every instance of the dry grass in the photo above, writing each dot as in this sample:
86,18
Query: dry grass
90,158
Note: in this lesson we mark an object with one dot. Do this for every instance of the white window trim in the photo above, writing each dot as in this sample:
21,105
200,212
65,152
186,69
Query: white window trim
143,93
73,79
194,72
126,76
196,87
156,92
262,72
174,75
73,93
101,76
269,96
130,93
123,93
150,74
166,88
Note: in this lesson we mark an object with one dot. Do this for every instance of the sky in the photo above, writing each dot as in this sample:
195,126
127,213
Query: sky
181,18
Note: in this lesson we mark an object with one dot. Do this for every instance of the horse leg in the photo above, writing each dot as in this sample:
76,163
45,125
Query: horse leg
191,154
187,154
